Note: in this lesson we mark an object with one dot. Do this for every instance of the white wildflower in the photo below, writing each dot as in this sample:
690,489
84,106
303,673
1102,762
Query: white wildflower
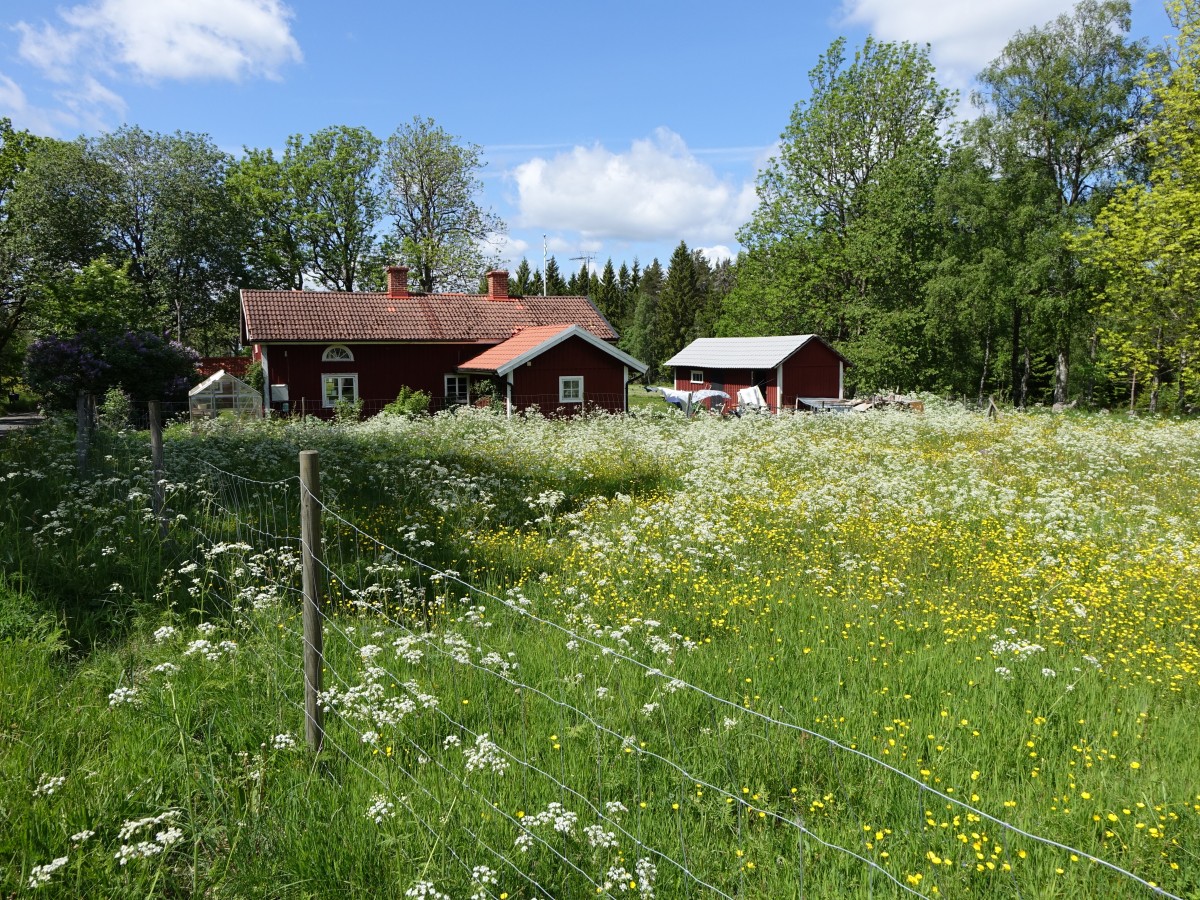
485,755
123,695
424,890
597,837
381,808
40,875
48,784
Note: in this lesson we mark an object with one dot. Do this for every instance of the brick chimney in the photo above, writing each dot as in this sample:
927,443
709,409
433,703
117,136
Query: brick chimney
497,284
397,281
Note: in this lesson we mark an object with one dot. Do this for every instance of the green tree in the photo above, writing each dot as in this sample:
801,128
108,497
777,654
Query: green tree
608,294
681,298
167,211
15,292
639,338
555,286
1065,98
276,256
336,177
522,282
1146,241
440,226
100,297
843,238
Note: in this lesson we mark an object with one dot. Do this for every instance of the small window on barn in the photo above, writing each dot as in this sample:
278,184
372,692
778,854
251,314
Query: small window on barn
336,388
570,389
697,376
337,353
457,389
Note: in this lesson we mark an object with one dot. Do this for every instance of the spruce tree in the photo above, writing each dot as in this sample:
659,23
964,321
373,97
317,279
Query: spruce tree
521,284
679,302
608,294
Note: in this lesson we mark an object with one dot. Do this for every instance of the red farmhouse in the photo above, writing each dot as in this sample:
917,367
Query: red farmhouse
793,371
320,347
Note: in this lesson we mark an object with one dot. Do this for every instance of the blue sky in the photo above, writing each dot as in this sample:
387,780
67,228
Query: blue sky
616,129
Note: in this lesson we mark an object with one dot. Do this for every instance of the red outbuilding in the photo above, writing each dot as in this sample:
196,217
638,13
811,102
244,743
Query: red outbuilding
798,371
530,367
321,347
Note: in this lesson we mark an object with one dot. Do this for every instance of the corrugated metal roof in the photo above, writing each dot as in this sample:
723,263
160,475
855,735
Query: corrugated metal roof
341,316
740,353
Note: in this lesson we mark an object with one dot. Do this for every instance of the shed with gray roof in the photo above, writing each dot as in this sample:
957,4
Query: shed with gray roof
790,370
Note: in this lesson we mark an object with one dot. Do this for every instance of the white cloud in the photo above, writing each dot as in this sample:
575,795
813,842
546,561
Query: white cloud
149,40
15,105
657,190
718,254
11,95
176,39
964,35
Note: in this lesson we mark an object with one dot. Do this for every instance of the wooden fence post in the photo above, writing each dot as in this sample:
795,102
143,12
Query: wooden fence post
82,434
310,538
156,464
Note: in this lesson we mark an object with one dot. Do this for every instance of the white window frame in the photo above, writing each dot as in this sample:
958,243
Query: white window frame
337,353
697,376
325,399
565,394
457,396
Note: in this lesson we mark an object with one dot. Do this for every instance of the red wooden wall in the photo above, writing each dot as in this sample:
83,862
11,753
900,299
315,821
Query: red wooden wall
603,378
730,381
382,369
812,371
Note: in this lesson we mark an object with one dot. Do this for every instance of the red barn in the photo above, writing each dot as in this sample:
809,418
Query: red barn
320,347
792,371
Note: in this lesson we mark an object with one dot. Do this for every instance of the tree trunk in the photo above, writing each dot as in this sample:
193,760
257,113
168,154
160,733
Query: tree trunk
1061,371
1132,390
987,356
82,433
1018,396
1090,390
1025,371
1179,394
1156,380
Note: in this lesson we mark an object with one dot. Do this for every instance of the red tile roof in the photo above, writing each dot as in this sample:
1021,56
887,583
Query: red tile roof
341,316
237,366
523,341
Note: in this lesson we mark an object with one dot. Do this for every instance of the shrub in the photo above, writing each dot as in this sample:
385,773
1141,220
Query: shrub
346,412
115,409
408,403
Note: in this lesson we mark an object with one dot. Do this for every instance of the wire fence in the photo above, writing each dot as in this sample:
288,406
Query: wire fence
571,756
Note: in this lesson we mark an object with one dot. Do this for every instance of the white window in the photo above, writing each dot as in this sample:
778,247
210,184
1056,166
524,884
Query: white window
337,353
457,388
697,376
339,387
570,389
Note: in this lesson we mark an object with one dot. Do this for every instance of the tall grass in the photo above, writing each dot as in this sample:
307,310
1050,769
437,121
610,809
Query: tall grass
700,639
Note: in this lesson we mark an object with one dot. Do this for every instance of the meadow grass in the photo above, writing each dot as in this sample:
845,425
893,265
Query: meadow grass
621,656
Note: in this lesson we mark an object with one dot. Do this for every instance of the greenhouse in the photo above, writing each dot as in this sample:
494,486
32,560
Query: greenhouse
223,395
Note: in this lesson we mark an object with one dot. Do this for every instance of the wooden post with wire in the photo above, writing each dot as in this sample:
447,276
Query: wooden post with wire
310,538
158,490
